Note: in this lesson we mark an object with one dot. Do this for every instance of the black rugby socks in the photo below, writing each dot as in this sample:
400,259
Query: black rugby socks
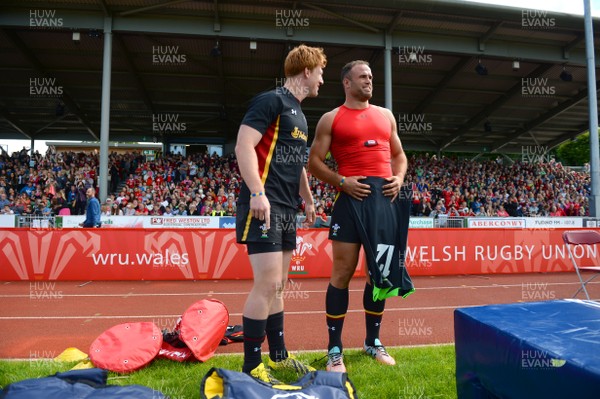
373,314
336,306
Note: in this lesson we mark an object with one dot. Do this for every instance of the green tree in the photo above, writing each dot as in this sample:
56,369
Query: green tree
575,152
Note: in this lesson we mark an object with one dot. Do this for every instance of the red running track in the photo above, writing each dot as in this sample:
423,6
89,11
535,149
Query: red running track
41,319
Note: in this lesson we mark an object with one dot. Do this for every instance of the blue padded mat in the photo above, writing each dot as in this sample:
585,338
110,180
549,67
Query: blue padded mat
530,350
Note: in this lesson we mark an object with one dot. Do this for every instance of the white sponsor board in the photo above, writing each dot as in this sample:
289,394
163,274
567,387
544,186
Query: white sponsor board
148,221
420,223
7,221
496,223
553,222
206,222
107,221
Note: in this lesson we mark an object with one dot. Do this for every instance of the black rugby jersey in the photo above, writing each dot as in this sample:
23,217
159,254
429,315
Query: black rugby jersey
281,151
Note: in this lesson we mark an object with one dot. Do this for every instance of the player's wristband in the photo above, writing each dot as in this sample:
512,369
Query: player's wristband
258,194
342,181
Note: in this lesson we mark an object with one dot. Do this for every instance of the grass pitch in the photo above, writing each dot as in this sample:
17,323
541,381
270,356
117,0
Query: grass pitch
424,372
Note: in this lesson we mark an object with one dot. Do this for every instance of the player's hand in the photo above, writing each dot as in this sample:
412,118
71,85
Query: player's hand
311,215
260,208
354,188
392,189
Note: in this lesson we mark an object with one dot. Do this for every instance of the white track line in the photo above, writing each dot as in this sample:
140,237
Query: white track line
291,313
212,293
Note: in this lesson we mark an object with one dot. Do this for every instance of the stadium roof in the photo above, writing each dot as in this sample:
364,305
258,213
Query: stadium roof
166,69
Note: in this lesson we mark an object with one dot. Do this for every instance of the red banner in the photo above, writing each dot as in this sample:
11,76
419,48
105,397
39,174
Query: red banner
145,254
177,254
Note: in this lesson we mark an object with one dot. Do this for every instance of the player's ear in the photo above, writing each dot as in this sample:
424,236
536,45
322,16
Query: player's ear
346,82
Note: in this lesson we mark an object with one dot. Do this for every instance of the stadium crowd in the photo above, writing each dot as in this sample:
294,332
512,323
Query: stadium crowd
208,185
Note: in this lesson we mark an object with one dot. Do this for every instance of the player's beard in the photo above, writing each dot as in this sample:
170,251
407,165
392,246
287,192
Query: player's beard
363,95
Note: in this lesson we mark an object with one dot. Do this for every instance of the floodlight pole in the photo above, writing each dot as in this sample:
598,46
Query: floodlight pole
105,110
593,106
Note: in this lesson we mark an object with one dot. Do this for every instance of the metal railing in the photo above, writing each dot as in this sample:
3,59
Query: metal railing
36,221
449,221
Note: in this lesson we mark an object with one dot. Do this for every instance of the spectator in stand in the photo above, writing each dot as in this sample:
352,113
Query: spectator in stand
131,182
453,212
129,209
115,210
437,211
218,210
193,210
534,209
4,201
465,211
486,182
72,196
6,210
141,210
488,211
555,211
28,210
29,189
80,199
230,206
424,208
321,219
105,209
502,212
209,204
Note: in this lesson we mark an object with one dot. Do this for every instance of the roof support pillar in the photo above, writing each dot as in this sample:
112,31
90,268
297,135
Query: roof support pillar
593,106
105,110
387,70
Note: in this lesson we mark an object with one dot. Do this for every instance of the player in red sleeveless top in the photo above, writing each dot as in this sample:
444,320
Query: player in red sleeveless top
361,141
364,142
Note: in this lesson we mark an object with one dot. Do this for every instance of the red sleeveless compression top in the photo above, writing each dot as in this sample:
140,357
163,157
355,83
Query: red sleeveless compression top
361,142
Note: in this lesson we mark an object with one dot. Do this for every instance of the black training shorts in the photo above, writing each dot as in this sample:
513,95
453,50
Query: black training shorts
377,212
251,231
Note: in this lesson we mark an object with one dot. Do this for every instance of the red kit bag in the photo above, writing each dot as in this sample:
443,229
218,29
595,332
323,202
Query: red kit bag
126,347
203,326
